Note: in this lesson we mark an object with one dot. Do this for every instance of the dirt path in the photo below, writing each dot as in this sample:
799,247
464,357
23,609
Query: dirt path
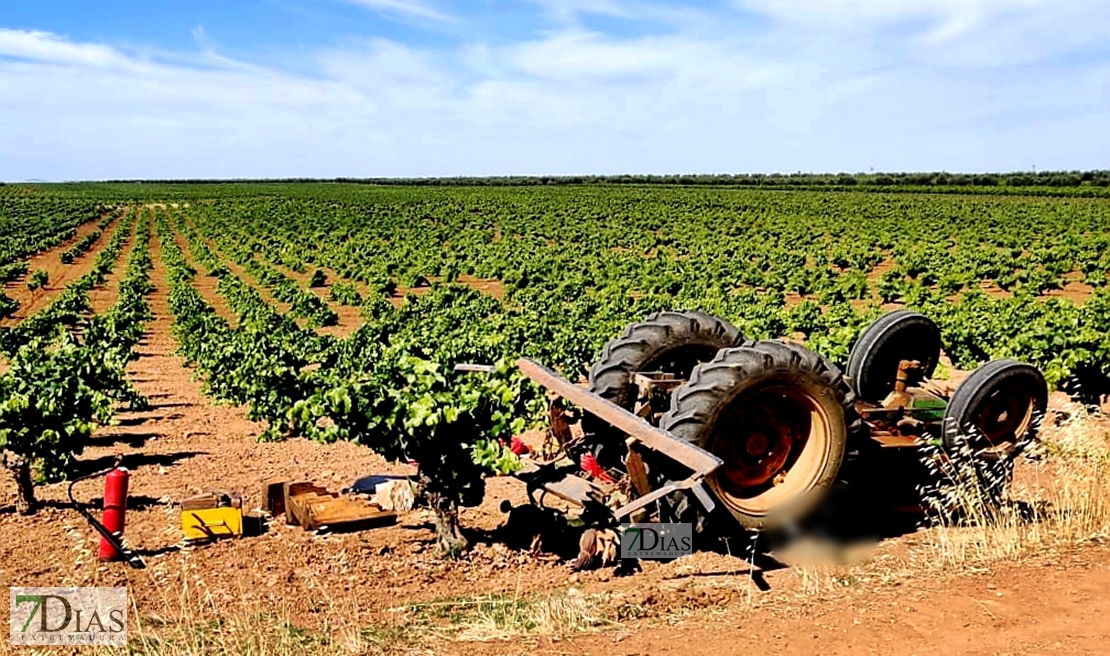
243,275
60,274
204,283
1046,607
350,318
104,296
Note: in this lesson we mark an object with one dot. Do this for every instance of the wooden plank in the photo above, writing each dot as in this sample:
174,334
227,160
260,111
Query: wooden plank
199,502
343,514
213,499
313,507
293,489
889,440
301,505
275,498
637,472
699,460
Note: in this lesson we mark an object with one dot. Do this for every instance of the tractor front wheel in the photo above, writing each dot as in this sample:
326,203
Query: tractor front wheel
996,409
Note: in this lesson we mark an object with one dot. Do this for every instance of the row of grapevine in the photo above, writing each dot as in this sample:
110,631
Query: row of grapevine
80,248
368,388
31,222
67,375
302,303
579,263
68,308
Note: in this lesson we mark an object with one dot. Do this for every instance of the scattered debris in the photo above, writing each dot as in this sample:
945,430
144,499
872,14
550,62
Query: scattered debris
313,507
396,495
597,547
212,515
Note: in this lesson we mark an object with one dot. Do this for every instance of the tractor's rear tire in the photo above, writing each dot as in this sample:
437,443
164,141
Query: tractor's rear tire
674,342
900,335
997,408
780,417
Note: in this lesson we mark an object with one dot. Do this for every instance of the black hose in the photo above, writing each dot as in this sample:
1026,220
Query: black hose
133,559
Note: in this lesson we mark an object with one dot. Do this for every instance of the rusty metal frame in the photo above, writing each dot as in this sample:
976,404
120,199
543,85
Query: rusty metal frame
639,431
699,460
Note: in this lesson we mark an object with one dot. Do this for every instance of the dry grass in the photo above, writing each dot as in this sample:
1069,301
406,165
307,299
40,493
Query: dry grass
194,623
502,617
191,621
1060,498
203,629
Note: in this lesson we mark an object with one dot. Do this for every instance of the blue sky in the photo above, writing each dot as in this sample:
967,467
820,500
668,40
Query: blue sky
325,88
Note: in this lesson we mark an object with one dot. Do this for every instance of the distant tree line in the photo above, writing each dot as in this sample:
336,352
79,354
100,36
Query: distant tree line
1057,179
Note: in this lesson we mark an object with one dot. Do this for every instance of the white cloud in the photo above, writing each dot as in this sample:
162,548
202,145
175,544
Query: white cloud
405,7
867,12
584,56
1040,33
692,99
50,48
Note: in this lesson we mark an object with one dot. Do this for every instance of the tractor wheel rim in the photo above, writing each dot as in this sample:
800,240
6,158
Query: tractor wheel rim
775,442
1005,418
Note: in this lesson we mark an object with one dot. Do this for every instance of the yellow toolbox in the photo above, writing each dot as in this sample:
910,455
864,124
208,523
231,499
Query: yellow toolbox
212,515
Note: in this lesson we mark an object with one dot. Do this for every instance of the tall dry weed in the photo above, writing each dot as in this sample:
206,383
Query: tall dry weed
1055,494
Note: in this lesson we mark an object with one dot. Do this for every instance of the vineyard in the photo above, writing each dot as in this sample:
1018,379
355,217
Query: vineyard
336,313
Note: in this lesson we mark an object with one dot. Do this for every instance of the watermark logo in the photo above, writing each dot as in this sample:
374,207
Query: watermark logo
68,616
656,541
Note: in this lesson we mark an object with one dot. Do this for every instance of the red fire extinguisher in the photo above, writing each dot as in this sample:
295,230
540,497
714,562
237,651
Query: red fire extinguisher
115,506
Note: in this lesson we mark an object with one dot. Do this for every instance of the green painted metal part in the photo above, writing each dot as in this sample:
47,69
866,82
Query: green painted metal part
929,409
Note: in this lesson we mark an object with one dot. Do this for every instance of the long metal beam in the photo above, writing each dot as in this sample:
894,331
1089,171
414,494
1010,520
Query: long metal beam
697,459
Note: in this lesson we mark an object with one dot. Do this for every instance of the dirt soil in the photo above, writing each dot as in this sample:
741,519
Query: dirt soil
61,275
706,603
104,296
204,283
350,318
1047,607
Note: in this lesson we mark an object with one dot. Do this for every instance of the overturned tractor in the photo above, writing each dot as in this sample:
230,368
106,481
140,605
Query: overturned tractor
686,420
